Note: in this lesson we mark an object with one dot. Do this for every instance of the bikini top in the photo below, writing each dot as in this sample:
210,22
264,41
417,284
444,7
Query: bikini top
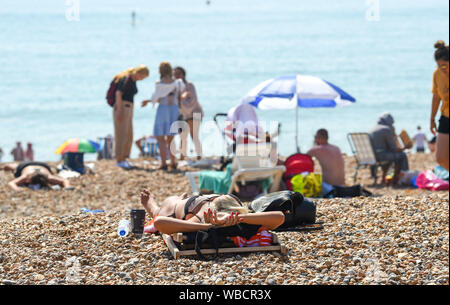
22,165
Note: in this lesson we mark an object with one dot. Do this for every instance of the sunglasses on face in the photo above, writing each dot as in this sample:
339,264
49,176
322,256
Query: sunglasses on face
443,67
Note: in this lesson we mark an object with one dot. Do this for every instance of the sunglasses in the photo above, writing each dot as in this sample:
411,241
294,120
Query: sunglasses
443,67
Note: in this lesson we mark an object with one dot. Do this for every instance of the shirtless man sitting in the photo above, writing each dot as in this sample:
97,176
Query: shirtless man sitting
34,174
330,159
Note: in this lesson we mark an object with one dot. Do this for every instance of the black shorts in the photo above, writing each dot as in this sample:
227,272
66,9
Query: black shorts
443,125
22,165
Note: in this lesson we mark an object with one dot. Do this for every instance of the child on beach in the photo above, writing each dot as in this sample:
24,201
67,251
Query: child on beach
420,139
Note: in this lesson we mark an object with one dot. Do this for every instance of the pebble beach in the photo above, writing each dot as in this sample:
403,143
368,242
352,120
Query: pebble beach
400,236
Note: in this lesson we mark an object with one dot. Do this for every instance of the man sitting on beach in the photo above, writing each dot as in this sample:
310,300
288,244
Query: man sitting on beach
330,159
35,175
386,146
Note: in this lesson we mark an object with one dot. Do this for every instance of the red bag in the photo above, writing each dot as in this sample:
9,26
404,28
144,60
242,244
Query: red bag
297,164
111,93
429,181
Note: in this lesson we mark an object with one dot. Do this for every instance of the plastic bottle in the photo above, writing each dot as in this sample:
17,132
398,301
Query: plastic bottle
123,228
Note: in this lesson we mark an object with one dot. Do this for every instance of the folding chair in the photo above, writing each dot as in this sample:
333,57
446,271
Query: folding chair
250,163
364,153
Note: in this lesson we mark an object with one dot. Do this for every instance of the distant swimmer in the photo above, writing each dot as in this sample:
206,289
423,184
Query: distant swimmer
133,18
208,2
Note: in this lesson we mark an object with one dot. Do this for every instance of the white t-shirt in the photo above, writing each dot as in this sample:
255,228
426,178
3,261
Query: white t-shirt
420,138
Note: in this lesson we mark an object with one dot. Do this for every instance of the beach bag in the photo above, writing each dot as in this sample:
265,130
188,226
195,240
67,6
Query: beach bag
429,181
297,210
406,177
297,164
111,93
309,185
218,236
441,172
75,161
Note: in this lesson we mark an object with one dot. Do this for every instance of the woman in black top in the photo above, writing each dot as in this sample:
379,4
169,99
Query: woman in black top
126,89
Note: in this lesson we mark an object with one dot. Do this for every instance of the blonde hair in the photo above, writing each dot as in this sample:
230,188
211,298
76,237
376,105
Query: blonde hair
165,69
141,69
228,204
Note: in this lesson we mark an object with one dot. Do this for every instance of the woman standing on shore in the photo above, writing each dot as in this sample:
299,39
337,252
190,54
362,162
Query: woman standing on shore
440,93
126,89
167,94
191,111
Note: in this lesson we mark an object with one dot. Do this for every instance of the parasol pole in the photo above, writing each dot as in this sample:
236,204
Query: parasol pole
296,129
296,123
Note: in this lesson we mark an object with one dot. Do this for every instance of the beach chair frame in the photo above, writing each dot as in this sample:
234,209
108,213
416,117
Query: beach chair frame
362,148
250,163
176,247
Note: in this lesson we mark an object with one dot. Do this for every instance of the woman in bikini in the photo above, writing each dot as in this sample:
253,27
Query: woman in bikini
34,174
189,214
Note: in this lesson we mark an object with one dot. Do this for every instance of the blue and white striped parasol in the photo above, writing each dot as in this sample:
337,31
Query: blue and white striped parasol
294,91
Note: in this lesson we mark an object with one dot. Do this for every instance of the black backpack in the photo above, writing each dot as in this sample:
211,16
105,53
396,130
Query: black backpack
297,209
111,93
217,236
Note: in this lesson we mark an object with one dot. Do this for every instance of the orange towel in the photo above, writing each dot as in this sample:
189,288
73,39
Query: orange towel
261,239
149,227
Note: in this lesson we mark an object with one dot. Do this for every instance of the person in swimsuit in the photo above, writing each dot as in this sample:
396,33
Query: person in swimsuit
34,174
189,214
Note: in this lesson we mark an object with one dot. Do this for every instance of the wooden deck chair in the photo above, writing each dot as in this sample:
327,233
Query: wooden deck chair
178,249
364,153
250,163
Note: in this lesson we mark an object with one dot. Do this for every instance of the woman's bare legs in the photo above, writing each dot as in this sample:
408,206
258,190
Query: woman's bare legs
183,144
162,150
149,203
166,208
173,161
194,130
10,167
442,150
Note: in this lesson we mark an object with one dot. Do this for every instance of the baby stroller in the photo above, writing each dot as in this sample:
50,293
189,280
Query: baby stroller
240,126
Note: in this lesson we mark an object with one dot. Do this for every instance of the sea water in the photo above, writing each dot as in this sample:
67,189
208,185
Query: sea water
57,59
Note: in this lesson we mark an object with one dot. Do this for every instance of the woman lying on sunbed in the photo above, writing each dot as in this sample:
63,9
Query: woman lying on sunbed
189,214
